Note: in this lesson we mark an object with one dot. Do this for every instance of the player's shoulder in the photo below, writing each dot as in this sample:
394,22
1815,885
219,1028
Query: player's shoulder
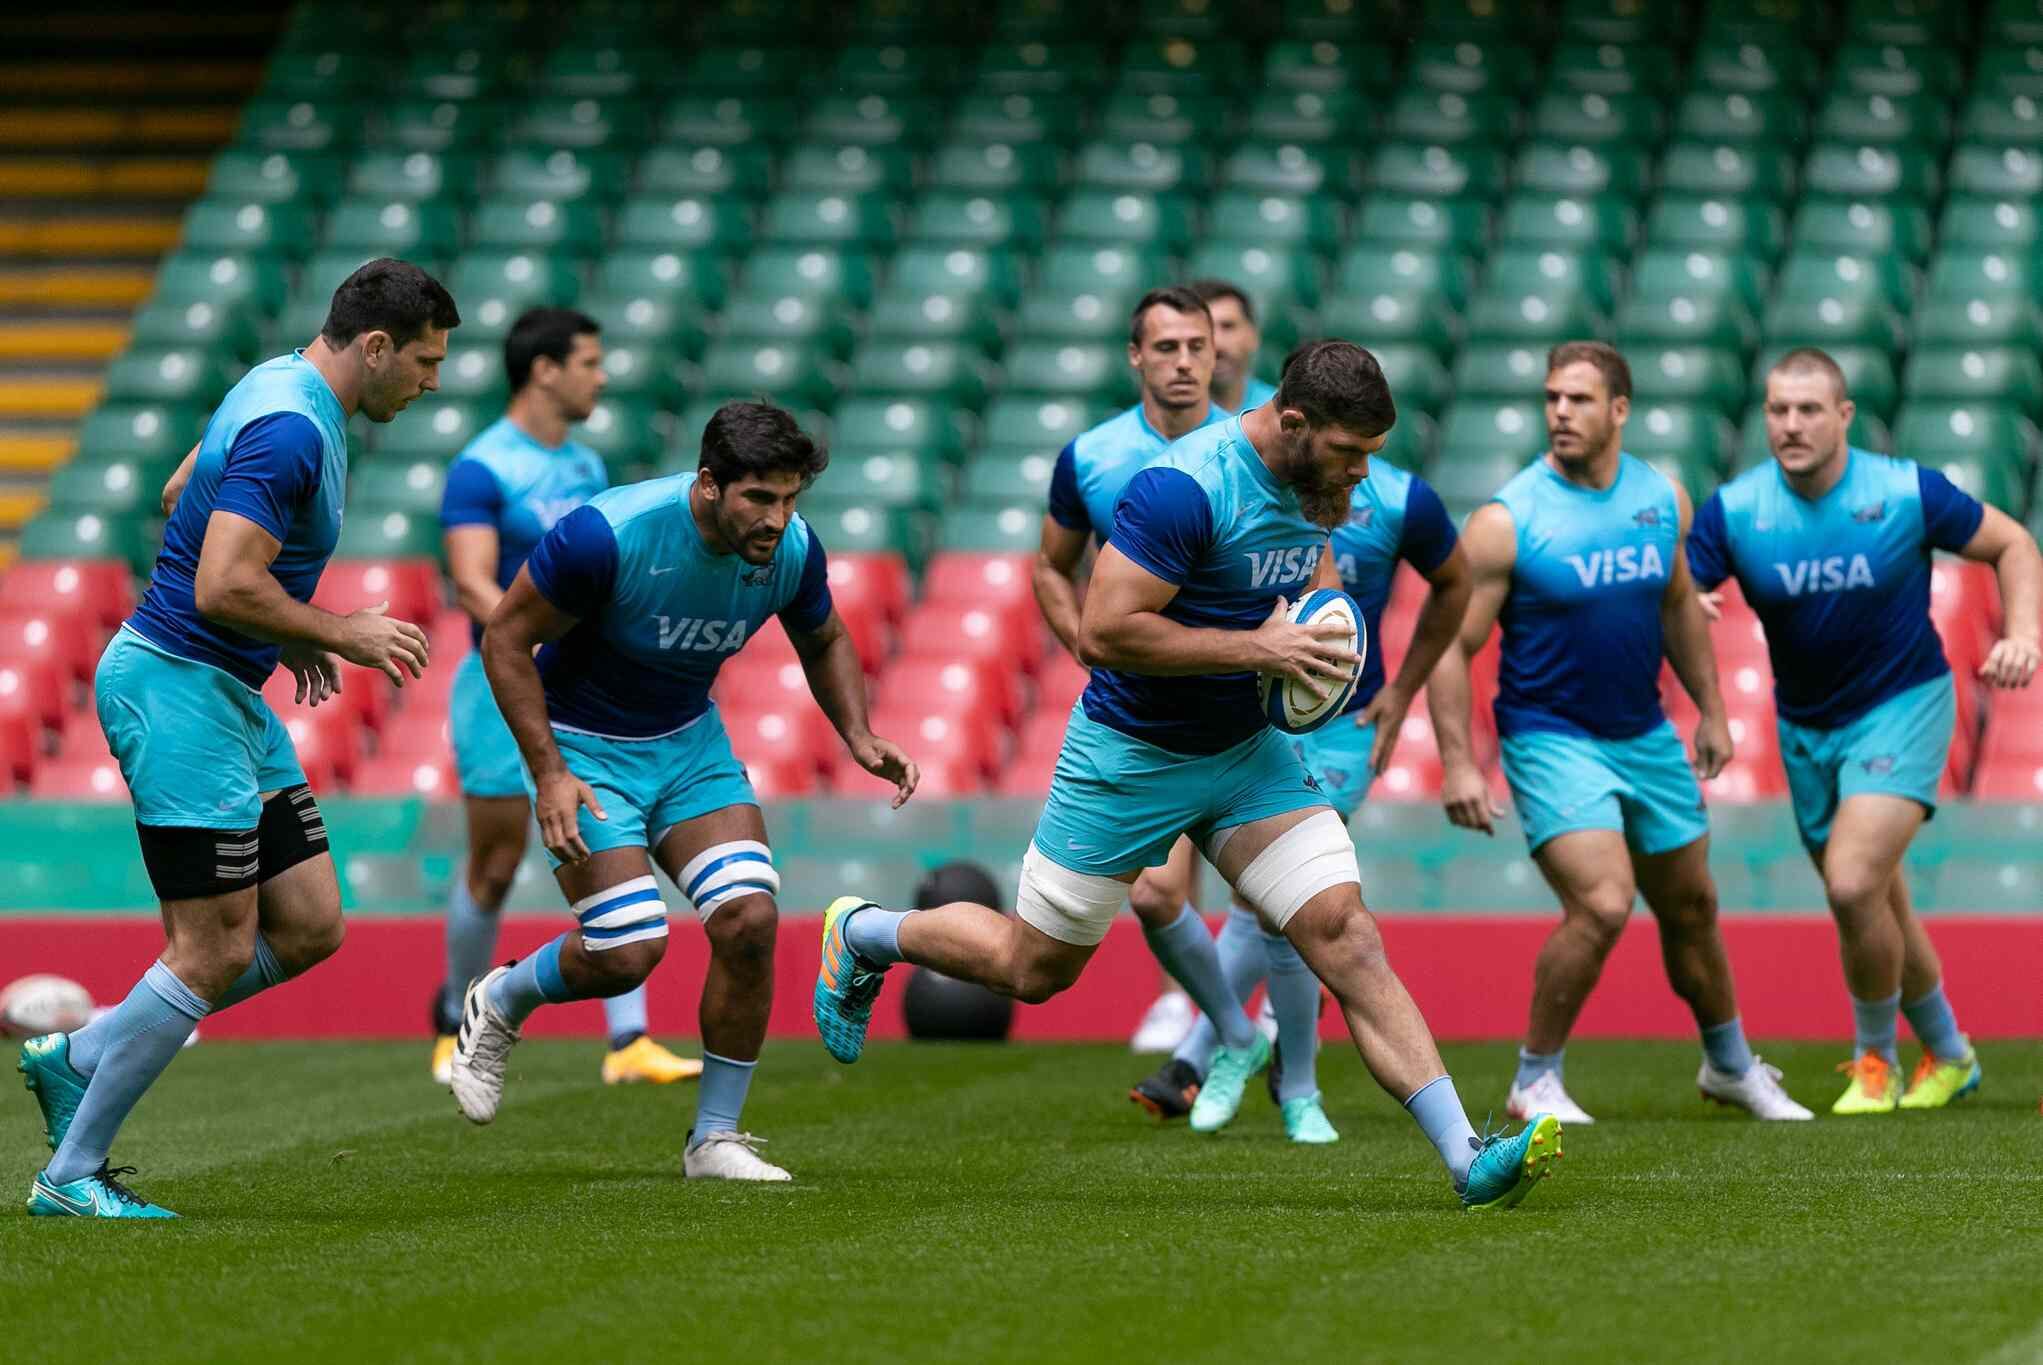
631,505
285,384
1518,490
1895,473
1744,491
495,447
1110,437
1388,485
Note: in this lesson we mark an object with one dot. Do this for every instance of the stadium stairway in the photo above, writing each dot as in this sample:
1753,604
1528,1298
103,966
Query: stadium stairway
107,126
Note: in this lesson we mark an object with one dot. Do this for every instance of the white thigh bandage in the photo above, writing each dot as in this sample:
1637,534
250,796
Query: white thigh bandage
1306,859
1071,907
743,867
629,912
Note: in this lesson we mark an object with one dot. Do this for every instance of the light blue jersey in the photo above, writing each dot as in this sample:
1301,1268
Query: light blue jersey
1392,516
658,610
1841,582
276,453
508,481
1255,393
1582,641
1097,464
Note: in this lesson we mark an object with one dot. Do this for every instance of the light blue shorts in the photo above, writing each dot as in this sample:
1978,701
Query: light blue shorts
485,754
1897,749
1338,755
196,746
647,786
1117,804
1643,788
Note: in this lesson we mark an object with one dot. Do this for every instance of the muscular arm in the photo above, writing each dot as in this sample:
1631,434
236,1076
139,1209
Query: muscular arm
2002,542
1449,588
1685,635
1123,627
1055,579
472,567
836,678
1489,544
523,621
182,475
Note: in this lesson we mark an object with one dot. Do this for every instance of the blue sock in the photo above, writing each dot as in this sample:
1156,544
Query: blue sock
1876,1027
88,1044
1437,1108
1533,1065
1934,1024
143,1034
1186,951
722,1097
531,982
1724,1044
1244,963
1294,999
875,934
471,940
625,1017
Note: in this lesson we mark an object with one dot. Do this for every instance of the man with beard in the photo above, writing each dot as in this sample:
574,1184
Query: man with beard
519,476
1580,558
1186,606
633,601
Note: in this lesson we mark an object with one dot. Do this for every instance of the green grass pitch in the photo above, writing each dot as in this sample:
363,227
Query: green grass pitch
1008,1204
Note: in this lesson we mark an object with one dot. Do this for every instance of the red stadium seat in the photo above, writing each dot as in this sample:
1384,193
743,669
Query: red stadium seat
1745,781
787,731
410,586
80,736
778,776
930,736
1002,636
755,681
99,590
17,748
326,751
70,641
417,734
363,698
1026,774
449,637
37,689
2009,779
1739,638
78,779
875,581
1060,679
770,642
950,684
1042,733
1410,777
970,577
942,777
401,775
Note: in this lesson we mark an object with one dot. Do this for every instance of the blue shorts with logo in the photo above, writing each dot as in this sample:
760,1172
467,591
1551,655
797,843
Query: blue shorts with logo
1338,755
485,753
1898,748
647,786
1118,804
1642,787
197,747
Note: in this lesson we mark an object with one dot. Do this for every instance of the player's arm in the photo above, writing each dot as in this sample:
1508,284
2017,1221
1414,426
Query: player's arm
1489,544
173,488
1055,579
1429,545
837,680
1685,636
1328,574
524,620
2002,542
469,511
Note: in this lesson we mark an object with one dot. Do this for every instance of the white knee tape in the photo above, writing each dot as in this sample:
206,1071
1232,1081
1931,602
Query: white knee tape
1071,907
1306,859
743,867
629,912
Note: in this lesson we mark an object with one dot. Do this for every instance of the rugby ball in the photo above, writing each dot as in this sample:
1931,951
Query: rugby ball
1291,706
41,1004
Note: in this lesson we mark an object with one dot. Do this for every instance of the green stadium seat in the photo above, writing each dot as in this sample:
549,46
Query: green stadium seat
1038,68
959,315
2011,22
1177,65
180,376
1451,118
1273,276
873,119
986,116
1863,228
1618,22
930,430
413,176
389,535
579,123
1308,117
1606,68
1749,171
229,281
637,370
818,321
472,374
1431,172
790,374
517,279
1479,21
935,371
1478,428
1012,526
1076,268
848,526
1291,169
1896,72
1994,118
120,489
845,220
627,432
1078,373
1142,167
260,177
1007,478
1977,375
1411,316
365,228
327,73
1988,430
1466,476
741,67
1466,68
1869,377
1036,424
1666,272
949,270
1866,171
1171,120
1159,223
1844,318
1532,315
689,222
1411,443
598,70
1706,223
809,270
730,119
1098,314
1824,275
2011,172
429,125
995,168
1615,169
58,534
1418,381
1374,265
1994,479
706,170
469,68
1697,375
1274,220
1734,65
1564,221
1415,220
978,220
1919,123
435,429
300,125
1904,24
890,68
1717,319
1520,269
2010,69
414,486
1324,66
561,174
1698,436
1497,370
1566,116
814,168
1998,319
1965,273
147,433
567,226
197,325
678,277
1719,117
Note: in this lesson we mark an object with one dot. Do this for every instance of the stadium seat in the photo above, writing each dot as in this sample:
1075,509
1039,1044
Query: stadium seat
826,168
178,377
410,586
1981,375
1740,117
2000,319
274,177
950,684
77,779
1532,314
1418,380
2009,172
794,375
964,739
124,489
1689,374
1562,168
1708,223
1865,229
71,641
56,534
94,590
1006,633
430,777
1568,223
683,223
1002,580
983,114
1411,317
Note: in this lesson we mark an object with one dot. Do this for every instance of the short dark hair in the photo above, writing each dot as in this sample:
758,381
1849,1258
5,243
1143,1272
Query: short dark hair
1802,359
1213,291
1174,296
1608,360
1337,383
548,332
388,295
749,440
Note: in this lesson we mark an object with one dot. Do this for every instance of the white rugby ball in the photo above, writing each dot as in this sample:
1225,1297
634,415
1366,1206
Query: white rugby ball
43,1004
1291,706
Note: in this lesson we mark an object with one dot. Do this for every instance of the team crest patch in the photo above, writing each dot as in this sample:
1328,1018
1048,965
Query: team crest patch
1870,513
1338,776
1879,764
1646,516
1313,783
757,577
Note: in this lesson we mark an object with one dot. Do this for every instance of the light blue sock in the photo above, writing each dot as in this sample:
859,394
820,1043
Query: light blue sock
1876,1027
1724,1044
143,1034
471,939
625,1017
533,981
722,1097
1533,1065
88,1044
1186,951
1294,999
1935,1025
1437,1108
1244,963
875,934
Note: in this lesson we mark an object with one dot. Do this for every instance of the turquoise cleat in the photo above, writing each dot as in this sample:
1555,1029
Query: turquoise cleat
1508,1167
1305,1120
99,1195
1220,1097
846,984
45,1067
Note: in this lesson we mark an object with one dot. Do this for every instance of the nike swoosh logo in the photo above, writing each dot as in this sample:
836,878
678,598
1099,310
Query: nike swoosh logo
80,1207
655,573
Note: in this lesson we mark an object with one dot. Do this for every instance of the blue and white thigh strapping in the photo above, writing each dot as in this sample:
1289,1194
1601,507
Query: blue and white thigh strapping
629,912
724,872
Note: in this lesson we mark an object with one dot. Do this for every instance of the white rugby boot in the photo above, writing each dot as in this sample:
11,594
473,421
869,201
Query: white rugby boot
1165,1023
729,1156
1758,1092
1546,1096
482,1049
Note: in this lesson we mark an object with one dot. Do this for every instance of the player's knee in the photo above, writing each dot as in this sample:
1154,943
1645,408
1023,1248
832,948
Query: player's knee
1692,911
491,872
1604,909
624,930
625,968
1854,892
743,930
1156,899
322,940
1032,982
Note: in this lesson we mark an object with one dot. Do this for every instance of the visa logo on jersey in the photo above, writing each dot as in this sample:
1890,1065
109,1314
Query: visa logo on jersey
693,632
1833,574
1625,564
1275,568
